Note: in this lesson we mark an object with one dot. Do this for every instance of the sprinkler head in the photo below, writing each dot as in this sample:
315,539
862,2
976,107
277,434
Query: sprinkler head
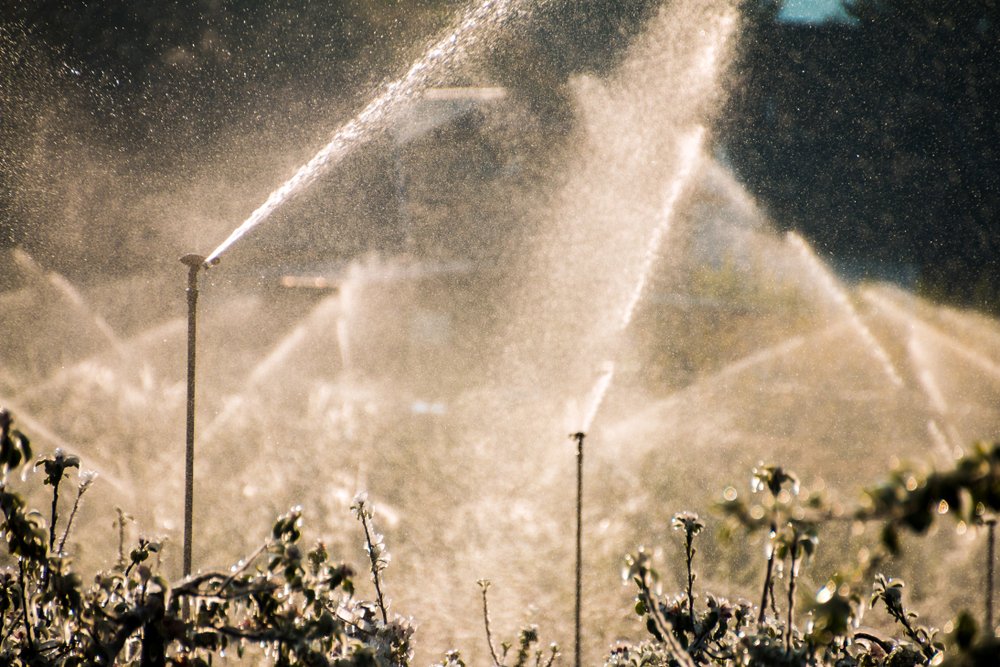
192,260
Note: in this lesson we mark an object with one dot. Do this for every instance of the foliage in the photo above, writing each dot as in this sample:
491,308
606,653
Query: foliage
727,633
287,605
910,500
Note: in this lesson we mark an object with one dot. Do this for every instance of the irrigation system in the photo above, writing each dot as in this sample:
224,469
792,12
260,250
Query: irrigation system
194,263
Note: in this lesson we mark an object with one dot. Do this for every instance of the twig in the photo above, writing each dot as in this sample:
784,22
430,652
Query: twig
121,537
689,554
882,644
246,563
484,584
80,490
24,603
10,628
773,599
767,576
552,656
55,510
677,651
373,557
791,591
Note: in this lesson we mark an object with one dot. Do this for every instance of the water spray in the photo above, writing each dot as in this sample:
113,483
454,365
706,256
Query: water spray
194,263
468,34
690,155
829,284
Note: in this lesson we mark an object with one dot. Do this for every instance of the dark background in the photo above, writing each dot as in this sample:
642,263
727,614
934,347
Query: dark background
876,138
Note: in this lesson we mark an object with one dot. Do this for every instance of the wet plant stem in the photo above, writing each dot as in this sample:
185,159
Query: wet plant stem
24,603
373,557
773,600
689,553
579,437
54,516
10,628
247,562
121,538
901,617
767,574
486,621
82,489
791,593
991,525
54,512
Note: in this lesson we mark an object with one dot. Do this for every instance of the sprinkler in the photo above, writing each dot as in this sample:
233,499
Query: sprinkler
193,262
578,437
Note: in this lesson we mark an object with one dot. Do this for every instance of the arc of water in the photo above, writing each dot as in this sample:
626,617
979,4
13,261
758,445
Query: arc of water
596,397
753,360
469,30
161,333
935,399
950,439
42,432
291,342
839,296
977,359
945,444
70,295
690,150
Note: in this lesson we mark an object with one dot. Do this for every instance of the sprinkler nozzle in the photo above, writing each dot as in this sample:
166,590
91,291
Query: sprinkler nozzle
209,263
193,260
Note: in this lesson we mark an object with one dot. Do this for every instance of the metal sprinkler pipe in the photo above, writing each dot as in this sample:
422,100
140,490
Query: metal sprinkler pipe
578,437
193,262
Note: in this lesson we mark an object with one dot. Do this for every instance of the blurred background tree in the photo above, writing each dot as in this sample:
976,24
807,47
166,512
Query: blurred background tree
874,136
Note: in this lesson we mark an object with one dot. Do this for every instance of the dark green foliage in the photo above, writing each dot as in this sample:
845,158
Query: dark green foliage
14,445
910,500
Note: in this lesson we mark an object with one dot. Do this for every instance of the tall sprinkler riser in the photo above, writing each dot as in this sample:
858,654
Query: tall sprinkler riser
194,263
578,571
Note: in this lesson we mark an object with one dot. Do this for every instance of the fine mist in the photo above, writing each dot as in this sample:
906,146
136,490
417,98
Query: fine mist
431,318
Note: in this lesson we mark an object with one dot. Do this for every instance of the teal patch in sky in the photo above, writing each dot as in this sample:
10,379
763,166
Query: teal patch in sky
814,11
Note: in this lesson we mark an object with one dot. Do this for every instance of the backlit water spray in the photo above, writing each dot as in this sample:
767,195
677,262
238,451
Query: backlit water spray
597,393
837,294
69,294
472,29
275,361
690,149
974,357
